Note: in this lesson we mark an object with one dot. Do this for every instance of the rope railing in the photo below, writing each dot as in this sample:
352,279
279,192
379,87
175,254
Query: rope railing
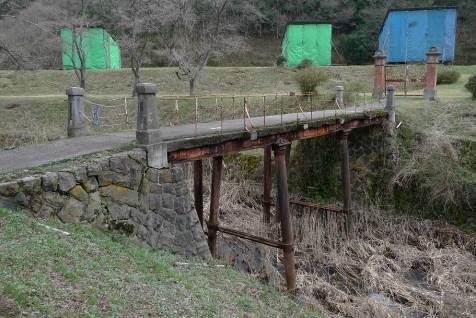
216,113
104,114
259,111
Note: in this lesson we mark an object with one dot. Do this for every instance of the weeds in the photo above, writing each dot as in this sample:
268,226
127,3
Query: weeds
434,166
388,266
448,77
471,86
310,78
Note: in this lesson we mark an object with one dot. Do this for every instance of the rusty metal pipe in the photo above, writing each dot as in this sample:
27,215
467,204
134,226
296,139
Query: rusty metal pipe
287,158
345,173
267,185
198,188
247,236
217,167
285,216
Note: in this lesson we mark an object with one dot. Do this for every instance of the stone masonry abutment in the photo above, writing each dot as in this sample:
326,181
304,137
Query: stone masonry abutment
118,192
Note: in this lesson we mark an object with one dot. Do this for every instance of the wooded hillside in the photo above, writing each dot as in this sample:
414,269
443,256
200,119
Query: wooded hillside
356,24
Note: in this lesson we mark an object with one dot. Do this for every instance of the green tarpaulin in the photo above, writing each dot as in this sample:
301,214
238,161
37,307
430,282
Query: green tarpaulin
310,41
100,49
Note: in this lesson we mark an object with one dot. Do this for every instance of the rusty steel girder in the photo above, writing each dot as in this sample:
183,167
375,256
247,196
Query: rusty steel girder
240,144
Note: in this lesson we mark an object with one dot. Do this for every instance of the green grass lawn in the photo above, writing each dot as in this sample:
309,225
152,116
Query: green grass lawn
214,80
454,113
95,274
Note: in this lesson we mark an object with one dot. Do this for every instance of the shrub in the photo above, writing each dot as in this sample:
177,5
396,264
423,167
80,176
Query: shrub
281,61
471,86
309,78
357,47
355,87
306,63
448,77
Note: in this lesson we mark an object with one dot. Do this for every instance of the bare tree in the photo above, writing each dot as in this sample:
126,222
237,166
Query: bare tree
199,31
34,32
137,23
27,44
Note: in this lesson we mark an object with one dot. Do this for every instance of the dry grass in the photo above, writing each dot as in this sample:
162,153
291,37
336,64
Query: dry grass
435,163
388,266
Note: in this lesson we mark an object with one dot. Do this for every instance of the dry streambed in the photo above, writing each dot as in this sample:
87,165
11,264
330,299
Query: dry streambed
390,266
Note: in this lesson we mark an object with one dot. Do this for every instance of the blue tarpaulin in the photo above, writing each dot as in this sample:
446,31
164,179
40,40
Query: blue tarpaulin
407,34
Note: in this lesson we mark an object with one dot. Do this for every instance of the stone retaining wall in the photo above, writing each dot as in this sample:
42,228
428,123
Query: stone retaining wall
119,192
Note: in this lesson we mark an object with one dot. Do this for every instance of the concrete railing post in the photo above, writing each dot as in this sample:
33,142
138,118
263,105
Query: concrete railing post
390,105
148,125
432,61
340,96
379,77
77,124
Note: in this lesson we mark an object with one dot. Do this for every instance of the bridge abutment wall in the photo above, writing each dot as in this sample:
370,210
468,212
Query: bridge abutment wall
371,159
120,192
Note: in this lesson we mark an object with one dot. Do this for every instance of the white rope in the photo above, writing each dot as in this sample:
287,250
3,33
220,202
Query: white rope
85,117
337,104
101,105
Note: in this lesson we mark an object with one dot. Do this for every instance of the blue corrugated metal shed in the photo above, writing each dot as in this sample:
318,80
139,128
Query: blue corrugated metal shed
407,34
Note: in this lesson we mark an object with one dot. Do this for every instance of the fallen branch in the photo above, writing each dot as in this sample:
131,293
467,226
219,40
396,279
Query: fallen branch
54,229
198,264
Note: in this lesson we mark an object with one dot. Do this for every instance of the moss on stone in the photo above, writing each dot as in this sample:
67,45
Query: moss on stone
124,227
79,193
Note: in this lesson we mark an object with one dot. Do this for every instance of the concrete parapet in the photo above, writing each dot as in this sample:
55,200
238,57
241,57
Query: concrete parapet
431,77
77,124
390,104
379,74
148,120
340,96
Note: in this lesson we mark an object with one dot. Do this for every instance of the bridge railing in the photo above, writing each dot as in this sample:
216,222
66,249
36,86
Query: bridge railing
245,111
261,110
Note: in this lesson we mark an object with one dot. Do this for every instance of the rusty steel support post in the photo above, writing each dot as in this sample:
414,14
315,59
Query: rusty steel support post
285,216
287,158
217,167
345,173
198,188
431,77
267,185
379,77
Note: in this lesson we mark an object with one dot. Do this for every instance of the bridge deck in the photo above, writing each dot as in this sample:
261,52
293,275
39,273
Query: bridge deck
187,142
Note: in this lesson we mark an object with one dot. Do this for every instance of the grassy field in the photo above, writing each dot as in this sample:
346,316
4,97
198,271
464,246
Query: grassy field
214,80
454,113
34,107
93,274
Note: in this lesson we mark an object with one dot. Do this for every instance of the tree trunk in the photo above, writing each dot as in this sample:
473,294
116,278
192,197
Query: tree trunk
192,86
82,80
136,81
134,88
135,68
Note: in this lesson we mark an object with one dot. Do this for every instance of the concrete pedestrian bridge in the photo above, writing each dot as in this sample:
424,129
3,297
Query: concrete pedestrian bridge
145,188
